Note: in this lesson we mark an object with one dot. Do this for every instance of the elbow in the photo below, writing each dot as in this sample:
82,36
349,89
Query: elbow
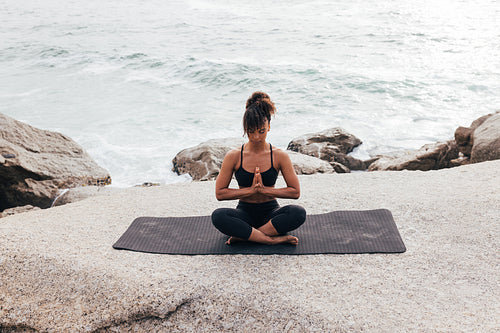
296,195
219,196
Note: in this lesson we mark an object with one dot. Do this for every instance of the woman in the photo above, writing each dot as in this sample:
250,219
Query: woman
258,216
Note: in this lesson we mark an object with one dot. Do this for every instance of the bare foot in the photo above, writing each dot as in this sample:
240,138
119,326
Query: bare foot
233,240
285,239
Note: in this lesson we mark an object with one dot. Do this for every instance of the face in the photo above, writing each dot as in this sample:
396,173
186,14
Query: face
260,134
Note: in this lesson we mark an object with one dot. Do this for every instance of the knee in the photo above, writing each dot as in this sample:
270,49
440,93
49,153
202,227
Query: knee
219,217
298,215
291,217
226,221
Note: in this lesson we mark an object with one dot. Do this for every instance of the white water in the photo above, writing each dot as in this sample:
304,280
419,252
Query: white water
134,82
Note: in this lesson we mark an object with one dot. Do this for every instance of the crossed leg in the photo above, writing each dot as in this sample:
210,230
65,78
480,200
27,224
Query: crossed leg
266,234
236,224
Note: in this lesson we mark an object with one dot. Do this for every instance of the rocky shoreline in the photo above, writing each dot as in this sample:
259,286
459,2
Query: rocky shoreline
309,152
39,168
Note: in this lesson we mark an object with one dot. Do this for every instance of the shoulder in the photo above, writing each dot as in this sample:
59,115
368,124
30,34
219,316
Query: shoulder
233,155
280,155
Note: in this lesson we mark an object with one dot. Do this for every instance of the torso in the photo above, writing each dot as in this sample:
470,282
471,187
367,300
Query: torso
266,161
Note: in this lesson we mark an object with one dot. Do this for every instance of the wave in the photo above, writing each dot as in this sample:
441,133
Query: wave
53,52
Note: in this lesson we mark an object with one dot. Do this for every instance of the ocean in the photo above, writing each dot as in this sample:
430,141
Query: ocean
134,82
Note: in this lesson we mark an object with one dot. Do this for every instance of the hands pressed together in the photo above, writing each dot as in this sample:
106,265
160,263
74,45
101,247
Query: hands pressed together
257,184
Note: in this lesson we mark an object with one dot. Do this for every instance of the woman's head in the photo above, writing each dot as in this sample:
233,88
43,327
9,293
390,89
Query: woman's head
259,109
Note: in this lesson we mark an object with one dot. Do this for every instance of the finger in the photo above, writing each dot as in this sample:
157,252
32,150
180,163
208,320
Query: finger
259,177
255,179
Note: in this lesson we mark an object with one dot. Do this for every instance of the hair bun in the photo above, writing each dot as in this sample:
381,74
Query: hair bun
258,96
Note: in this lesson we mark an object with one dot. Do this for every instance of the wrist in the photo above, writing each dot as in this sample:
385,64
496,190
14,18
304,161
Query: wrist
248,191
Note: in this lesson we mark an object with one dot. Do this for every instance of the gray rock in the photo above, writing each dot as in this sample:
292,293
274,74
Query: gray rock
430,157
18,210
486,140
464,136
37,163
340,168
308,165
479,121
203,162
331,145
369,161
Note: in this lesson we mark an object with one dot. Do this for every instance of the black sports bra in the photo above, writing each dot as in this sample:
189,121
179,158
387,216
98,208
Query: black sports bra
245,178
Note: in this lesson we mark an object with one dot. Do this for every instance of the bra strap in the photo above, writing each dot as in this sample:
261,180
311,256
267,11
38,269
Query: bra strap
241,158
272,164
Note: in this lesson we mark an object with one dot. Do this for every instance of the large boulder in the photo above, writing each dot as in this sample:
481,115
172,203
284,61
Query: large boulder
430,157
36,163
308,165
486,140
464,136
203,162
331,145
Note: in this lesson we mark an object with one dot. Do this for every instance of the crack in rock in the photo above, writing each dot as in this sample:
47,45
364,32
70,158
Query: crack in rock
141,316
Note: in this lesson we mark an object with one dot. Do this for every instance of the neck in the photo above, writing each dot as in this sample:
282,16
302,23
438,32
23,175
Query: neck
257,146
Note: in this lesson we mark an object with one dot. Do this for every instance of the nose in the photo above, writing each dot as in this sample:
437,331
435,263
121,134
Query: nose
255,136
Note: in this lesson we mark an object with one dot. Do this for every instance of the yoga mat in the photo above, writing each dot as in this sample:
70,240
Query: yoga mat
369,231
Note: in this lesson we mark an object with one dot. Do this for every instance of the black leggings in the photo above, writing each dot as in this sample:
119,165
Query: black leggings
239,221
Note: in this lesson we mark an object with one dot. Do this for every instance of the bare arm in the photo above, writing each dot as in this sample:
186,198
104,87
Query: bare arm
292,189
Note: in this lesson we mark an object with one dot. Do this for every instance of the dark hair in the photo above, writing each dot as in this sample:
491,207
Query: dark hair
259,108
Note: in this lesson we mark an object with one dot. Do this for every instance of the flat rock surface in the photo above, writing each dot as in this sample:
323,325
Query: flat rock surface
59,273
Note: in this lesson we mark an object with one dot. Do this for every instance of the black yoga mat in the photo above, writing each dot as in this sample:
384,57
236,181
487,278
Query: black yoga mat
369,231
